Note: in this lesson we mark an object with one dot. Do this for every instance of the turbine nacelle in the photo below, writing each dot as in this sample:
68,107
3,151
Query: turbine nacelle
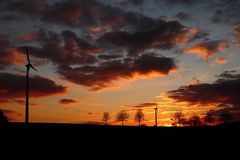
29,65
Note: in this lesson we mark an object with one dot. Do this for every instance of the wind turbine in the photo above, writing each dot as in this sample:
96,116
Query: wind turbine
156,116
28,66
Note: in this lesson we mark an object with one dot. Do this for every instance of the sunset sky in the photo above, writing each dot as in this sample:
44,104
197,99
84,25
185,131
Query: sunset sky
96,56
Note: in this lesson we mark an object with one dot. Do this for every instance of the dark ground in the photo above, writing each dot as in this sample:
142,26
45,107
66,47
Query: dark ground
78,137
96,131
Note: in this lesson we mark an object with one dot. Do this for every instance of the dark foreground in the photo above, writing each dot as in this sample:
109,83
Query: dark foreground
97,131
91,138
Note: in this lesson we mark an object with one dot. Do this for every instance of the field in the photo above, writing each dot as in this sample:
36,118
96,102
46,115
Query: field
78,138
94,131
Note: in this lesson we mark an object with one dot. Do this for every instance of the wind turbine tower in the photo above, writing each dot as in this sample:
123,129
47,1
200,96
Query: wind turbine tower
156,116
28,66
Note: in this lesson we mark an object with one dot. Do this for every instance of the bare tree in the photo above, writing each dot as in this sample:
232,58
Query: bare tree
122,117
209,119
195,121
139,117
225,116
179,118
106,117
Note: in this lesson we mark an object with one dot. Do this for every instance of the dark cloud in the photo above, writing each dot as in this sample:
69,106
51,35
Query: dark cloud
93,114
67,101
185,2
173,3
65,48
4,42
104,75
28,7
86,13
74,43
220,11
22,102
13,86
183,16
108,57
5,45
234,112
132,2
207,49
225,11
228,75
237,30
143,105
163,34
90,13
97,61
237,33
92,68
9,111
8,17
223,92
67,12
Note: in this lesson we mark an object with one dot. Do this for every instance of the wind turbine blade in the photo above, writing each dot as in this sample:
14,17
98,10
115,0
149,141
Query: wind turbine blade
33,68
28,56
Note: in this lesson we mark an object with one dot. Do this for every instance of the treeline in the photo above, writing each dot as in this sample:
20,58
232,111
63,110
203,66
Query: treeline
178,119
123,116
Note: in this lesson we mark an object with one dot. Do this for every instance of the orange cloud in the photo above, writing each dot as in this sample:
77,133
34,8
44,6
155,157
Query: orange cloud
95,30
13,57
221,61
28,36
237,30
190,33
237,42
207,49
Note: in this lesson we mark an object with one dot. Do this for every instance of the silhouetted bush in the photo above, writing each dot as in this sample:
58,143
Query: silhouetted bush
3,118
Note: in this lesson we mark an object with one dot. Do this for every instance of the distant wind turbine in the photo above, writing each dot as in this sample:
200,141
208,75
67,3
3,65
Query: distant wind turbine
156,116
28,66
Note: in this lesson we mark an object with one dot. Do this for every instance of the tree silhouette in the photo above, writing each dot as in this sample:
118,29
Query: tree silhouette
122,117
209,119
3,118
179,118
106,117
225,116
195,121
139,117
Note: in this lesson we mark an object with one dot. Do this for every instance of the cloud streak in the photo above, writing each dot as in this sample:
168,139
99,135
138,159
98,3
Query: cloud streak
67,101
206,50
